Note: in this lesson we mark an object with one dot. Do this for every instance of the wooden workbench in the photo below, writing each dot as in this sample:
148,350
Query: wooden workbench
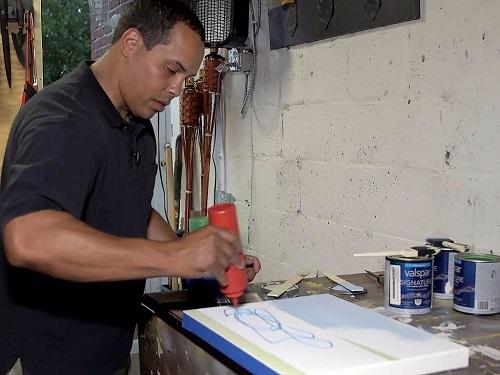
166,348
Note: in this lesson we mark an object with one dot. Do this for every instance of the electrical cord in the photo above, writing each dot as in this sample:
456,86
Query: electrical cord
250,79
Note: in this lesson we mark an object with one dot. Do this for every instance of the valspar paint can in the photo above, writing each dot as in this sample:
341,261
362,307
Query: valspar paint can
477,283
408,284
444,270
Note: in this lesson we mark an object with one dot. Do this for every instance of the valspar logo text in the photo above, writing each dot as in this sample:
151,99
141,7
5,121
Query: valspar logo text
417,273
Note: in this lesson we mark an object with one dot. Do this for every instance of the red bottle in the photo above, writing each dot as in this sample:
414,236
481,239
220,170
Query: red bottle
223,215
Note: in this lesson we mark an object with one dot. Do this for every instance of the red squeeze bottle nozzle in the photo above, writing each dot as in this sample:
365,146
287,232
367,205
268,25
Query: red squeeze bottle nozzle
223,215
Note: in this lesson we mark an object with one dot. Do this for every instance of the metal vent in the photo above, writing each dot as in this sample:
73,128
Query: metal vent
225,21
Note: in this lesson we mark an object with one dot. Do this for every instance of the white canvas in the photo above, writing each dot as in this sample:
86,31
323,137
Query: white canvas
322,334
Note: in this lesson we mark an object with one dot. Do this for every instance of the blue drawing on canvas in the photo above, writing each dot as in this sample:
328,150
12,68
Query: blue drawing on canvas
272,330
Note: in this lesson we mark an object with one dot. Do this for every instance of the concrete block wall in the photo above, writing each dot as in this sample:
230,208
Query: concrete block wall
370,141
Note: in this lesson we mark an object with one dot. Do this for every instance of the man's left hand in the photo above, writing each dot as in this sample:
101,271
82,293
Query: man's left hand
252,266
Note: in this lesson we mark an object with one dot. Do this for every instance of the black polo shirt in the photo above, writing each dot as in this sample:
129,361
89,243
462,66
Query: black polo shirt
70,150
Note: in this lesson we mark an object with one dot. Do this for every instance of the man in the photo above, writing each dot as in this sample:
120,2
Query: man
79,235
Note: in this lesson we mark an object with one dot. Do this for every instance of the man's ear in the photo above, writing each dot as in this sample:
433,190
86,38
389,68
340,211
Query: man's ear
130,42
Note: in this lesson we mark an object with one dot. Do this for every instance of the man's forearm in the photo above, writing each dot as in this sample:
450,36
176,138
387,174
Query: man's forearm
159,229
57,244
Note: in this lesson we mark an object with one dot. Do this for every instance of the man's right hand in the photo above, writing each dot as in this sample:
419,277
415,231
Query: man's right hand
209,250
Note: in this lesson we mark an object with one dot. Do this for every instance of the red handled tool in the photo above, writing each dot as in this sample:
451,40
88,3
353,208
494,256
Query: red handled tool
30,76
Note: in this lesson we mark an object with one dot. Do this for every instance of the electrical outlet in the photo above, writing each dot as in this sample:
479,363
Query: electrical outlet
240,60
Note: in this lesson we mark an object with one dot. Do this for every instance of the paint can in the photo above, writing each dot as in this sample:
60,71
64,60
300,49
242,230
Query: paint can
408,284
444,271
477,283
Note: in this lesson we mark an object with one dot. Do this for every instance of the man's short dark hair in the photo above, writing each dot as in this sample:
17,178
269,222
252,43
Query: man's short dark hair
155,18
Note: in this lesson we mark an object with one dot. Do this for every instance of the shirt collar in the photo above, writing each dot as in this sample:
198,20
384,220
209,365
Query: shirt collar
101,99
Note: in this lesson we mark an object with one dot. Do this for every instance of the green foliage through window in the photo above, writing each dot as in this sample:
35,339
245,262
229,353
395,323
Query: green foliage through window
66,37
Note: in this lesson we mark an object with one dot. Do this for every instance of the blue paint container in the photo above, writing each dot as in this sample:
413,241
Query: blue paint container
444,270
408,284
477,284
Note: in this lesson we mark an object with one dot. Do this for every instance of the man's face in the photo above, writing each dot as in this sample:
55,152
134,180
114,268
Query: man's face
156,76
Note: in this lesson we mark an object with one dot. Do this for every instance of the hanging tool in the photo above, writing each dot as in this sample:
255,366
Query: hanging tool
4,28
18,38
30,75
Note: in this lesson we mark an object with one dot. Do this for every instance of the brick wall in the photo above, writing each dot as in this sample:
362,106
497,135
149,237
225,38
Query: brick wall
101,24
371,141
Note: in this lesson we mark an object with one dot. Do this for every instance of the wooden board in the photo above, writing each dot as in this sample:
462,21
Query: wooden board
321,334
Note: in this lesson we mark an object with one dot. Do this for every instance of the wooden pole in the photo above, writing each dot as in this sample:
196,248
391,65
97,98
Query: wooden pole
170,186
